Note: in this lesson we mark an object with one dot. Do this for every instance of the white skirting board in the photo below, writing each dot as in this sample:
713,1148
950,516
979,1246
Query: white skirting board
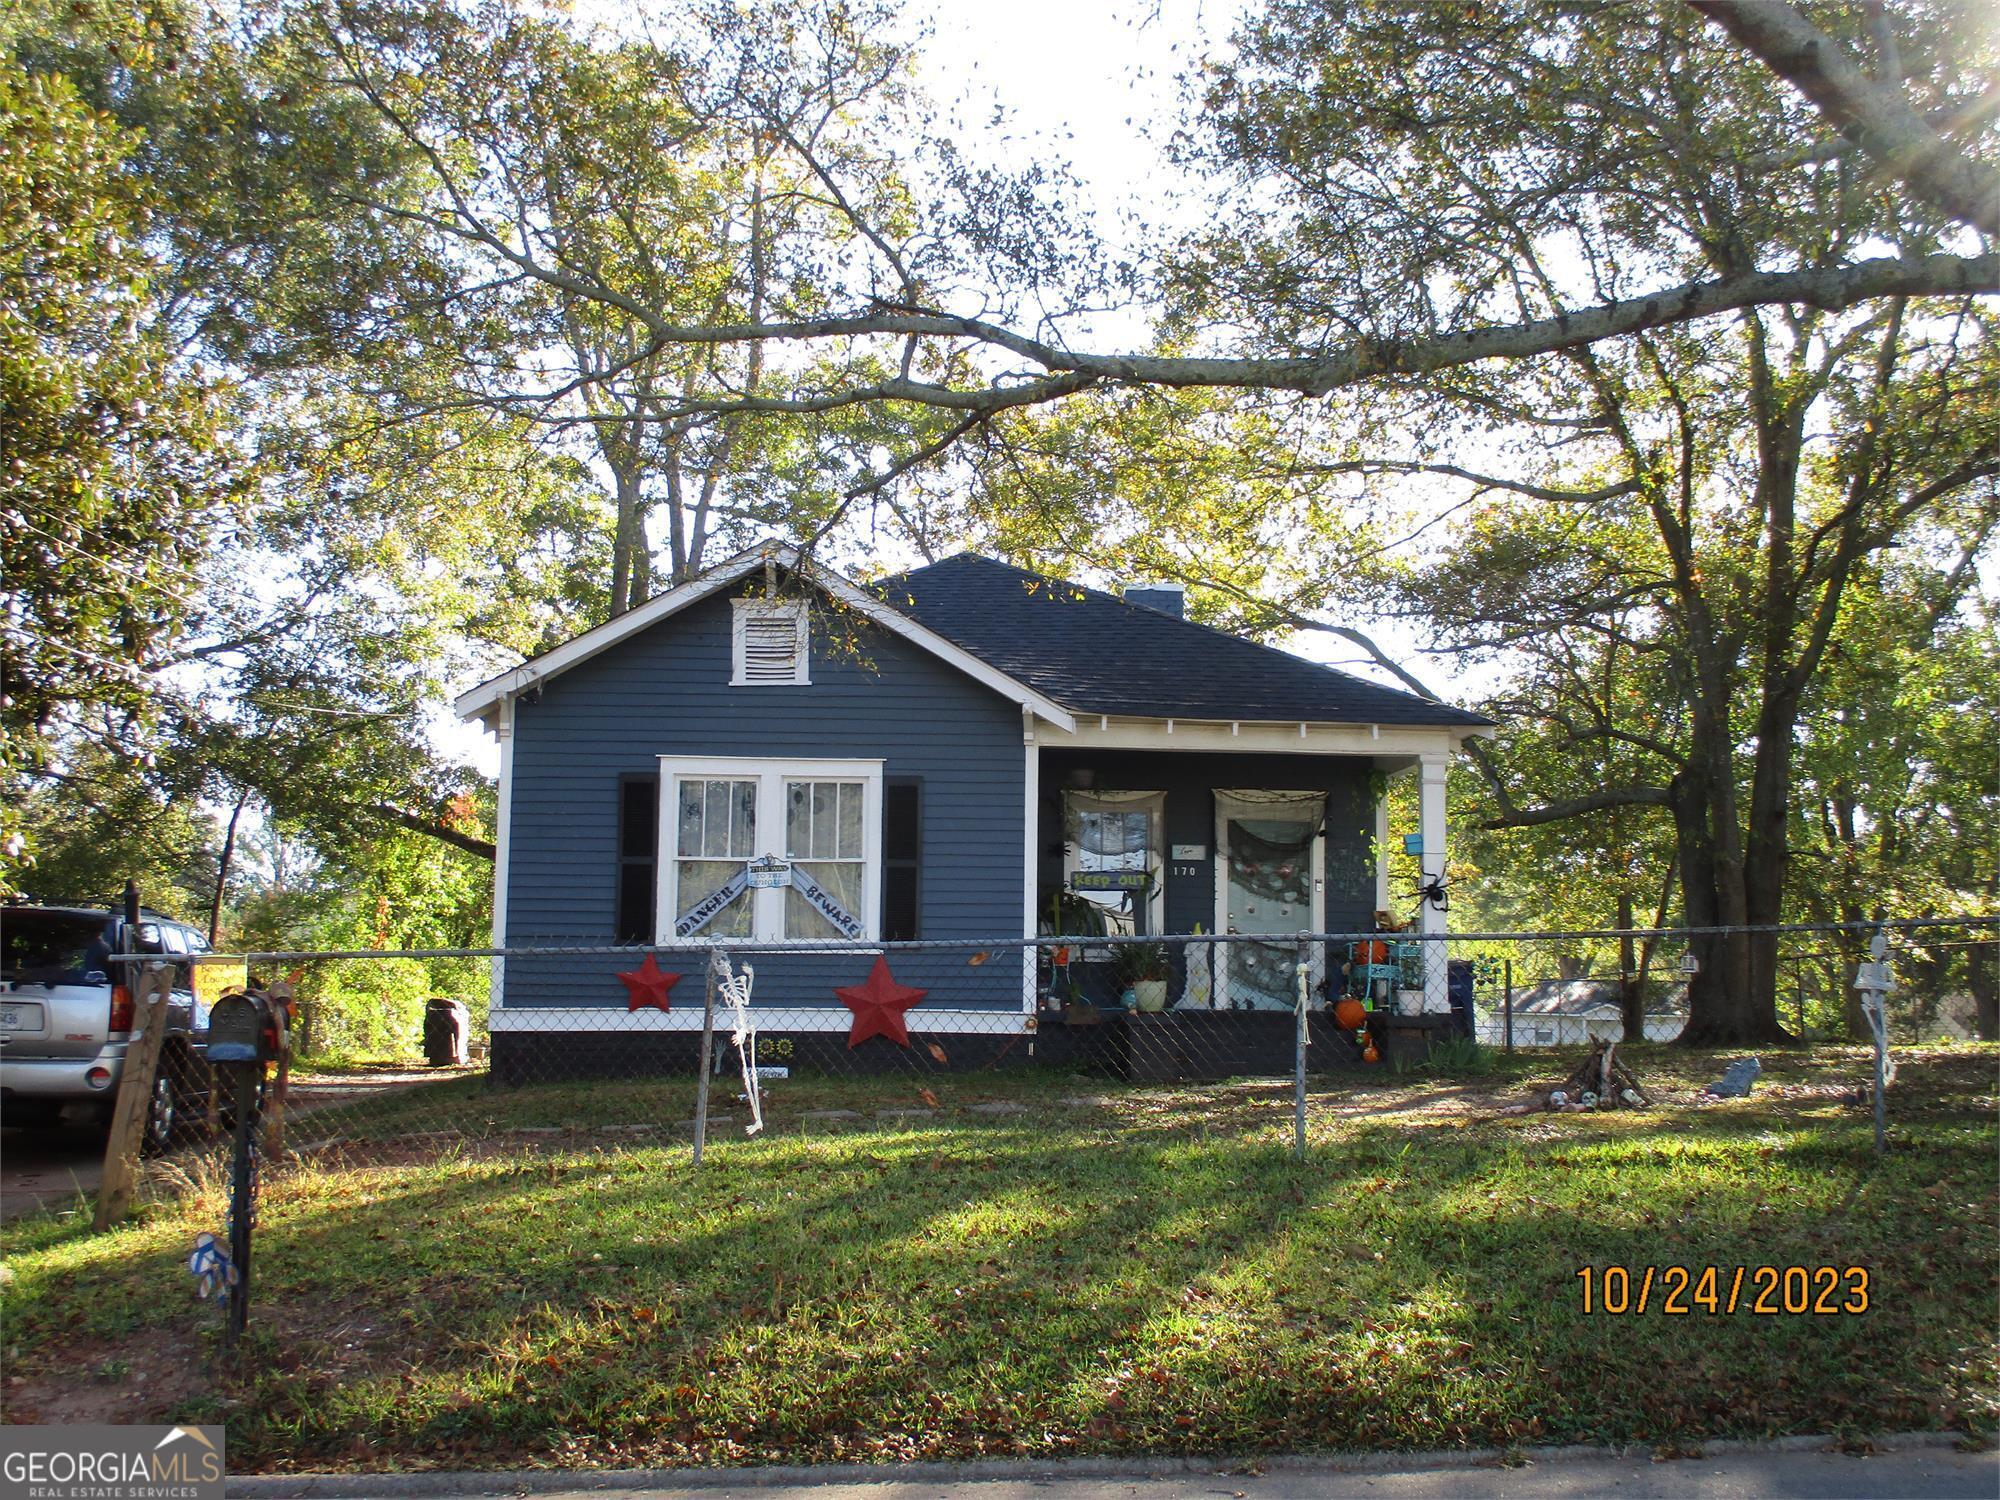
940,1023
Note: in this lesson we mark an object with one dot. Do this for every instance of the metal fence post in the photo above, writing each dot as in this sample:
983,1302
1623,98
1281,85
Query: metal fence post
1299,1052
707,1054
1507,977
1875,982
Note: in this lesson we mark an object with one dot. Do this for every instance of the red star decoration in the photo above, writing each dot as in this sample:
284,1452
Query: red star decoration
648,985
878,1006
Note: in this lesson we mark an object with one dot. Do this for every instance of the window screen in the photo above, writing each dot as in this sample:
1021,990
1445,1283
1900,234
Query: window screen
823,837
716,832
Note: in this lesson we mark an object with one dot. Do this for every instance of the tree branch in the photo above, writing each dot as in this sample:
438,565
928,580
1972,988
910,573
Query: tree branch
1875,118
1576,807
1359,360
432,828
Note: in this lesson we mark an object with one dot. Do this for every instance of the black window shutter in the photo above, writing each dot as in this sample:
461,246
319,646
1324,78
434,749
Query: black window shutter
638,835
902,856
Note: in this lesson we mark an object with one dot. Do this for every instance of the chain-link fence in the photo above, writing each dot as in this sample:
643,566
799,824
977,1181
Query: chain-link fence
590,1041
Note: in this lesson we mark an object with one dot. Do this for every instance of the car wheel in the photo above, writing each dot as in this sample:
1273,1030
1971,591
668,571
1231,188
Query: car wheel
173,1111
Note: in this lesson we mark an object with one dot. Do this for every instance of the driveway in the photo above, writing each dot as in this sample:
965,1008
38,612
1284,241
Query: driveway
47,1168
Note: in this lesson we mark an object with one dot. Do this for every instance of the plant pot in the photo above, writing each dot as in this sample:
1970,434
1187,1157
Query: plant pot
1149,994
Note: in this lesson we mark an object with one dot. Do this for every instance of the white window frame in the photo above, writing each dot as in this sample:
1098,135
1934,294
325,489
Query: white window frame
741,611
767,911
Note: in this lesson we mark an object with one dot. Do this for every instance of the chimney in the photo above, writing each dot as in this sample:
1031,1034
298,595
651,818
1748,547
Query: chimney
1167,598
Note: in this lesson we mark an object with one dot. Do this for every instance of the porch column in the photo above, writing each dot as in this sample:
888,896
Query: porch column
1430,825
1382,851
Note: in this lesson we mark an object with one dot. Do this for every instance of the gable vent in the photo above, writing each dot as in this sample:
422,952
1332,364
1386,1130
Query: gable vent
770,644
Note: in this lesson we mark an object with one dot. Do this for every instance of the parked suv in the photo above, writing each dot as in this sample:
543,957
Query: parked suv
67,1017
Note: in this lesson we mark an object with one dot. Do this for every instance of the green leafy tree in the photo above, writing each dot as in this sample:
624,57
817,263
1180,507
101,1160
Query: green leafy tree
113,475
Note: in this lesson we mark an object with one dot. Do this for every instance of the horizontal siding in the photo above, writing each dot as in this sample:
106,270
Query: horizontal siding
666,691
806,980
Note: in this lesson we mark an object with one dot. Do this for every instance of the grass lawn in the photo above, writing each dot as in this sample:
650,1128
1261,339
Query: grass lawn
1109,1271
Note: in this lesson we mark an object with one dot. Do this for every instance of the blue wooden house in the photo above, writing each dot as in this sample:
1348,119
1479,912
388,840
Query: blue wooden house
772,755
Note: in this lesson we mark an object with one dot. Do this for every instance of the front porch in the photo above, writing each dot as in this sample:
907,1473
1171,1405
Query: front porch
1287,834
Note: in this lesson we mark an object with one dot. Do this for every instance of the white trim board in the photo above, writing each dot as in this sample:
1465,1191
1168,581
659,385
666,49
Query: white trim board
503,848
484,700
1387,742
921,1020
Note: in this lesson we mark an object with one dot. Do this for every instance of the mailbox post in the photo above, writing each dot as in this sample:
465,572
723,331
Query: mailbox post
245,1033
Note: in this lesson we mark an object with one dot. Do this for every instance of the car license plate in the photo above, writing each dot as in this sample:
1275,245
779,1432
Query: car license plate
20,1018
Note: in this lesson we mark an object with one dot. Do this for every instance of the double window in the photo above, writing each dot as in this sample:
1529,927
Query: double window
770,850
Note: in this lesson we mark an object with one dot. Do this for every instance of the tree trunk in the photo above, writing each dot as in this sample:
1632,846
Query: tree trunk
628,540
1631,999
1983,977
1724,1010
222,864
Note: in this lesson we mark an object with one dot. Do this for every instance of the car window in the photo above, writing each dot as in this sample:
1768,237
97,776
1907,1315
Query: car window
173,940
52,947
150,940
196,943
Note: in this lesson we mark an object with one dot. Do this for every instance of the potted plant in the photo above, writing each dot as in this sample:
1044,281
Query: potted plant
1146,972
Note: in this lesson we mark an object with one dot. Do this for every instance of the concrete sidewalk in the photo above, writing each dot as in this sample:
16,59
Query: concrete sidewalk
1927,1465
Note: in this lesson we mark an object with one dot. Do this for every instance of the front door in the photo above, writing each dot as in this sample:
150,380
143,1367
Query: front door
1272,871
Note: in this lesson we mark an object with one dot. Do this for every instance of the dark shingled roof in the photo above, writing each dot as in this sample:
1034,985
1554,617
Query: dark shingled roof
1094,653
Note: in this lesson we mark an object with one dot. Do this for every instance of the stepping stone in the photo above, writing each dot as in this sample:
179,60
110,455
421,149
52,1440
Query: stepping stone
626,1129
906,1114
832,1116
1085,1101
712,1120
538,1130
999,1107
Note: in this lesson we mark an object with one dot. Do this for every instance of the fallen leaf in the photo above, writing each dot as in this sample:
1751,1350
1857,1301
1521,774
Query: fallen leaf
977,959
929,1098
939,1053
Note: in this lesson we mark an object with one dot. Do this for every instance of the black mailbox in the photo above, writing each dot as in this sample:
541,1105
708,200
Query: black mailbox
240,1030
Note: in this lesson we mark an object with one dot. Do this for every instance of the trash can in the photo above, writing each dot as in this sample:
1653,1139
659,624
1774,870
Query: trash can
1459,988
447,1032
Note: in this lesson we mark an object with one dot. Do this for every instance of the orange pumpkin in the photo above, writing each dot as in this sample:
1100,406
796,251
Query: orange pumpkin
1350,1014
1369,1054
1371,951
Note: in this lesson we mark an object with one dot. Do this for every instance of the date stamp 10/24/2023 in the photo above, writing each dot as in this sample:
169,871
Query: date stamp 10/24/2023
1722,1291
